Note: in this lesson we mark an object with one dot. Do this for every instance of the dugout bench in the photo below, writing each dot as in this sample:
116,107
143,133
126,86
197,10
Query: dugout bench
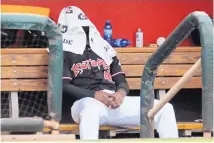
27,69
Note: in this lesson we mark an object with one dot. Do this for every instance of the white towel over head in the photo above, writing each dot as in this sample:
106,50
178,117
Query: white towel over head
71,20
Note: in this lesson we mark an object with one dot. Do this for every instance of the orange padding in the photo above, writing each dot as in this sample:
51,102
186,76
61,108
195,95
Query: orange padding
25,9
181,126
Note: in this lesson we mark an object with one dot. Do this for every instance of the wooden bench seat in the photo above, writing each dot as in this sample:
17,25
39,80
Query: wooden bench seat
27,69
181,126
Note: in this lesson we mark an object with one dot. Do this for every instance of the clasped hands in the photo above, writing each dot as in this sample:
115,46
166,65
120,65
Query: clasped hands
112,101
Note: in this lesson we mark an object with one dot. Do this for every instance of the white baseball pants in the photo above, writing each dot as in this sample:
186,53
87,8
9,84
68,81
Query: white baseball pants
90,113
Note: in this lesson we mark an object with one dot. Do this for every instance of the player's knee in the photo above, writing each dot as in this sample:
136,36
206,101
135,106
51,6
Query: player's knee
90,111
90,106
84,107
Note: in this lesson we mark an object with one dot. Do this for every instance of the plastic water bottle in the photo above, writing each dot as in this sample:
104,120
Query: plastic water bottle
139,39
108,31
121,42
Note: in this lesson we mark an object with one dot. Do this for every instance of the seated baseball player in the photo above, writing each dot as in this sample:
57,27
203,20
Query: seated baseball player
94,78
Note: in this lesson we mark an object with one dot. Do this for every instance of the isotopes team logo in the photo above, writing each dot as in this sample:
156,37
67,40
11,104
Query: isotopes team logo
63,28
78,68
82,16
68,9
